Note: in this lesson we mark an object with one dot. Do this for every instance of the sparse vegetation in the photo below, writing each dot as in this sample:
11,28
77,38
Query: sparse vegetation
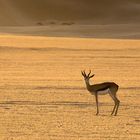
40,24
67,23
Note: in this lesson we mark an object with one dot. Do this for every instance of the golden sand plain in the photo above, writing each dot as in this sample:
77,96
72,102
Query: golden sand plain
43,95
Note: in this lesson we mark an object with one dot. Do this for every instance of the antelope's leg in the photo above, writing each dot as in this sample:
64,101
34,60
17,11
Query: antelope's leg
118,103
114,99
113,109
96,97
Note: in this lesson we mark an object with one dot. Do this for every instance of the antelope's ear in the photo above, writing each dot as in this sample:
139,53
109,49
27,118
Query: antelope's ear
91,76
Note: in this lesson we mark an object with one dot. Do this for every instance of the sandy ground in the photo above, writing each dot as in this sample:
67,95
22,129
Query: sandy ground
43,95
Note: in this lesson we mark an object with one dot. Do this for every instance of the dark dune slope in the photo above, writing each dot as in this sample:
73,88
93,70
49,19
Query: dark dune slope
29,12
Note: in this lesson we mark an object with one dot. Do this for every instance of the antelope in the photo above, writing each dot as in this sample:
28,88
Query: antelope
110,88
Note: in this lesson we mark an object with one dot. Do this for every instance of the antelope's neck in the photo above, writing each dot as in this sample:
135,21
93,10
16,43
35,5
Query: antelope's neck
88,85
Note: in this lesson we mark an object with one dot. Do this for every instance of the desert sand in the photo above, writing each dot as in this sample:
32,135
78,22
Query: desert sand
43,95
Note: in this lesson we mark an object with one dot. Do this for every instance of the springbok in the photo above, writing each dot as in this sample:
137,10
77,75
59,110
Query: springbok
101,89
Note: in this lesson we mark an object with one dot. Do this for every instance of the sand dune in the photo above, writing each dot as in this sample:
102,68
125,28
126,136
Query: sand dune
63,18
30,12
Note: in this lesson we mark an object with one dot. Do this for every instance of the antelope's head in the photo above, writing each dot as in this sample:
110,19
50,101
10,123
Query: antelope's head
87,76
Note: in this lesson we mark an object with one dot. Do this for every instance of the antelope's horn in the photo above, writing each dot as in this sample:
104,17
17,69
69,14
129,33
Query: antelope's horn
89,73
